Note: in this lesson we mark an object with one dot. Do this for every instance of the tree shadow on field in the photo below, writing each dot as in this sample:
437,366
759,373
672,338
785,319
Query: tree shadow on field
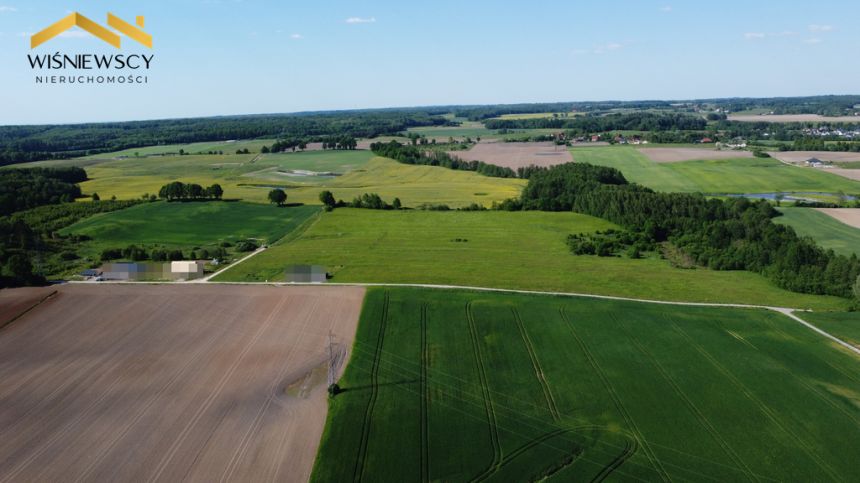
367,387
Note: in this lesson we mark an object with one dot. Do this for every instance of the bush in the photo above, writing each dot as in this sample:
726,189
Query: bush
246,246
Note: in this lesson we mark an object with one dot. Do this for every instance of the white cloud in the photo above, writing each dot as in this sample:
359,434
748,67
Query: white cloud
821,28
754,35
602,49
361,20
297,36
666,8
813,41
7,9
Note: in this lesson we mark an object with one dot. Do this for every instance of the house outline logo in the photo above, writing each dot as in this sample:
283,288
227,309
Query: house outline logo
75,19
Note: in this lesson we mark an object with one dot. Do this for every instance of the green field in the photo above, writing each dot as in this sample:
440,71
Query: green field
828,232
843,325
192,223
471,129
744,175
457,386
519,250
228,147
184,226
250,177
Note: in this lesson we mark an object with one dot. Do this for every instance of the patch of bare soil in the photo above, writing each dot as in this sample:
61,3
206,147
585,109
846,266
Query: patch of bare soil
677,155
802,156
167,382
516,155
14,302
849,216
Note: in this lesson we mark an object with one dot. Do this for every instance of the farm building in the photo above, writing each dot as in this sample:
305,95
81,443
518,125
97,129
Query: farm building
187,270
306,274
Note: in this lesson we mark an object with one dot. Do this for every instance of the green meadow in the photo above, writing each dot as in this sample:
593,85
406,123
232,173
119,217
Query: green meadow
185,226
191,223
514,250
743,175
464,386
827,232
250,177
228,147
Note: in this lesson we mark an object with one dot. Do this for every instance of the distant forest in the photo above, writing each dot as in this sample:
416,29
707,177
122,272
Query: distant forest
20,144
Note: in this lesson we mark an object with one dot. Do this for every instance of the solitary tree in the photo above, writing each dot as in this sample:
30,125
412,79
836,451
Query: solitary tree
277,196
396,204
327,198
96,197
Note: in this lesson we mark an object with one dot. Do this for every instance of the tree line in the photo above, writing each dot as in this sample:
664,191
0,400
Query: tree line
634,121
418,155
179,191
735,234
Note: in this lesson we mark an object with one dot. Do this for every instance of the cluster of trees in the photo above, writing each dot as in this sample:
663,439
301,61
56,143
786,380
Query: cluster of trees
819,144
610,243
286,145
417,155
30,143
33,235
371,201
22,189
178,190
138,254
735,234
634,121
823,105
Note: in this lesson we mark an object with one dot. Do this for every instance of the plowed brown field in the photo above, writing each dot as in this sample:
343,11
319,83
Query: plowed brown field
168,382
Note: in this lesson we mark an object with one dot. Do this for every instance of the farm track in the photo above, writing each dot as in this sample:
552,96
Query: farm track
488,402
616,399
629,450
374,393
787,311
425,399
547,393
703,420
764,408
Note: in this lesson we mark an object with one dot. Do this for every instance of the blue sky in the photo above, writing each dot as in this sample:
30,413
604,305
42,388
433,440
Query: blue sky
215,57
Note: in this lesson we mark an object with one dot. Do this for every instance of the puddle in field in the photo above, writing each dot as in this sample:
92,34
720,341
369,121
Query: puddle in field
305,384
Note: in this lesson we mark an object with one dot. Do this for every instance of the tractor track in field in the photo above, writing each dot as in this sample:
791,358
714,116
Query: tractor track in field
697,413
629,450
374,392
488,402
616,399
764,408
547,393
425,399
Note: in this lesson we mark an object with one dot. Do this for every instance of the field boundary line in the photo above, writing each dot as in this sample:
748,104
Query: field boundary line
28,309
358,471
788,311
550,400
